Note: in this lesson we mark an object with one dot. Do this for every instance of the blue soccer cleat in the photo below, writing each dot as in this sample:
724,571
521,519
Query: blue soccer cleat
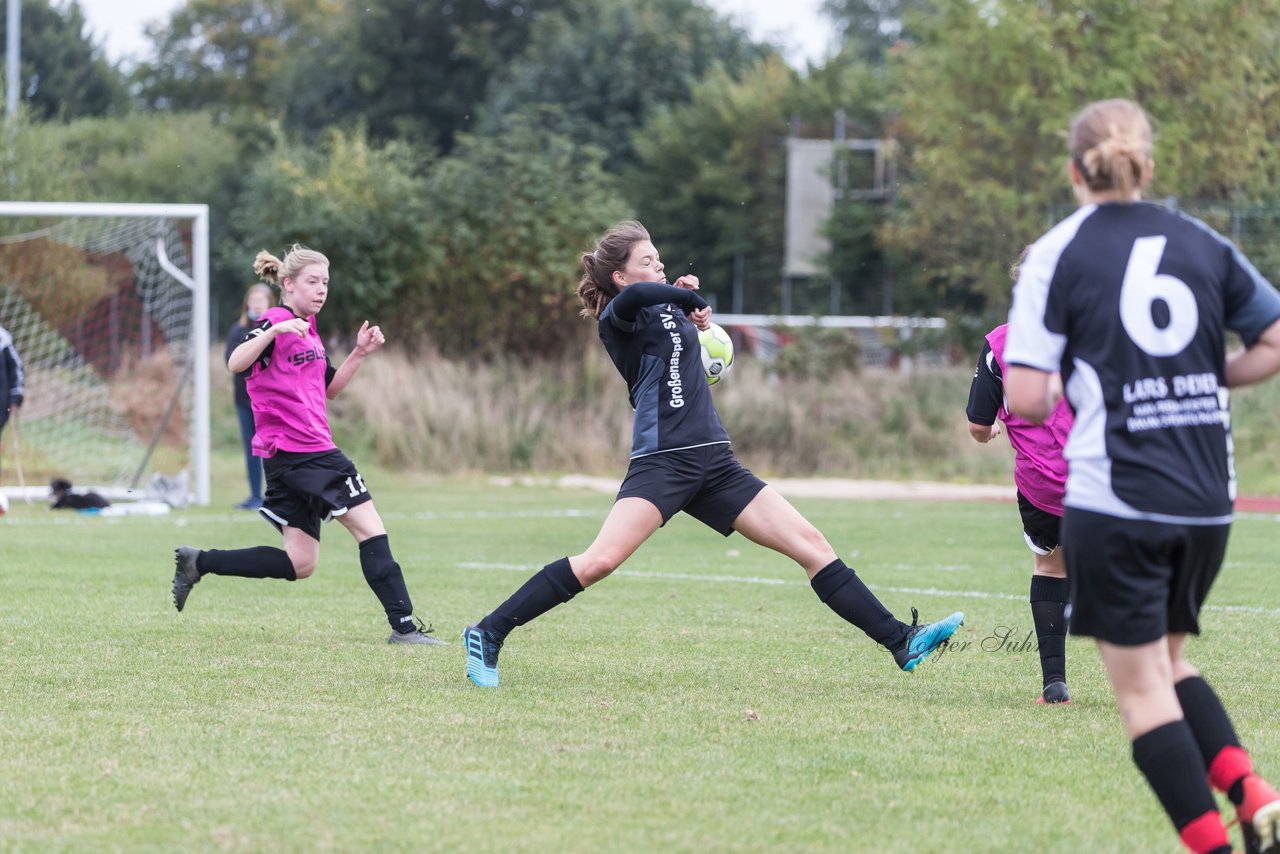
482,656
921,641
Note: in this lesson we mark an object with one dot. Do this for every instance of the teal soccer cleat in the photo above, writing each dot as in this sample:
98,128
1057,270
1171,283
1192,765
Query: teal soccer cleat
482,656
921,641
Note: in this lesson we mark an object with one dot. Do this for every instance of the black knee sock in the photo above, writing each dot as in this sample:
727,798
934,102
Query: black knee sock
1170,760
1048,612
841,590
553,584
387,582
1227,762
256,562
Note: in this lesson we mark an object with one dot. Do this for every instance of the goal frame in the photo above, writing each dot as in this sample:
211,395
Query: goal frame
198,283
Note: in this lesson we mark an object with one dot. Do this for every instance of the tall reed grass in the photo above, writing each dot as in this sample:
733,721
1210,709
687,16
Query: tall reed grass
426,413
573,415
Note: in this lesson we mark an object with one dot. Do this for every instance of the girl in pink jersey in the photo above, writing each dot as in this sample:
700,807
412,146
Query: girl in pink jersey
309,481
1040,473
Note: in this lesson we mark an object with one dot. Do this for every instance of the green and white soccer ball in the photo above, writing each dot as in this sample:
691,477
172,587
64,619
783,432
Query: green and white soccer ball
717,353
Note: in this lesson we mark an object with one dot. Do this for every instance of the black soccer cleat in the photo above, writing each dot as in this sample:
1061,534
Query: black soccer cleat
1054,693
185,574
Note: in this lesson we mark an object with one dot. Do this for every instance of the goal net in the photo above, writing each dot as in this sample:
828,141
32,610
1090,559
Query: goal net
107,305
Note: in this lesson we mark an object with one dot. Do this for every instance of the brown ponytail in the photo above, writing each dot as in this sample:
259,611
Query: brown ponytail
597,286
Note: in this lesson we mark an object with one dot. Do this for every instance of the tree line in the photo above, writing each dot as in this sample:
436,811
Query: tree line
453,157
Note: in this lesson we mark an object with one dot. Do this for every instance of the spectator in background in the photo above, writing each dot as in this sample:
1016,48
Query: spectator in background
11,378
257,300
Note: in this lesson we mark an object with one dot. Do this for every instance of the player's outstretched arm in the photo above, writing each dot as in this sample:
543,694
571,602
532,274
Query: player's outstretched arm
1258,362
368,340
627,304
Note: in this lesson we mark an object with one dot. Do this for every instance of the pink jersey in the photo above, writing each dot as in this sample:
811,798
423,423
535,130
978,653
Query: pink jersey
1039,469
287,389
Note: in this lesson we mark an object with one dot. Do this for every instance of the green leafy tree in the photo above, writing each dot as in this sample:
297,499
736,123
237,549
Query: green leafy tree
172,157
710,180
364,206
983,146
178,157
870,28
35,164
63,73
510,217
146,157
419,69
610,67
227,54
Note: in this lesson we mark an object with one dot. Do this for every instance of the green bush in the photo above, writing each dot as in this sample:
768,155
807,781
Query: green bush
364,207
510,215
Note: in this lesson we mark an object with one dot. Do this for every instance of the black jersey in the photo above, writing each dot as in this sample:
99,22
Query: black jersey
1130,303
654,345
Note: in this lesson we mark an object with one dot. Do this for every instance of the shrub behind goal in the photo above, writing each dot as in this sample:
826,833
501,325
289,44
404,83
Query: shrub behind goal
108,308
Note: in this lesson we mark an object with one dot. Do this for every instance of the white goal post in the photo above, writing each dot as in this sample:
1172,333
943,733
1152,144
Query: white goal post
108,306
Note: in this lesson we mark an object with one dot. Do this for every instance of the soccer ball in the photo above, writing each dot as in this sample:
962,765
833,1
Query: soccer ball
4,504
717,352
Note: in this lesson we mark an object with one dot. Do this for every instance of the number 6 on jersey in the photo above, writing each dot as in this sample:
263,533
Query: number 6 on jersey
1142,287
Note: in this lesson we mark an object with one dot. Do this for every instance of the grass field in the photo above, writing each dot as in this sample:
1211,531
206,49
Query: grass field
700,699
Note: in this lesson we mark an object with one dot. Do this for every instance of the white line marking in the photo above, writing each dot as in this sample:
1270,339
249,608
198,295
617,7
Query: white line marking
571,513
200,518
753,579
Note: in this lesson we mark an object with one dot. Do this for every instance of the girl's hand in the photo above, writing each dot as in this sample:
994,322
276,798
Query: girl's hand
701,318
296,325
689,282
369,338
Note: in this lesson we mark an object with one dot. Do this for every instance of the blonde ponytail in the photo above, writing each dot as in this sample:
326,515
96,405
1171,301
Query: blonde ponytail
1111,145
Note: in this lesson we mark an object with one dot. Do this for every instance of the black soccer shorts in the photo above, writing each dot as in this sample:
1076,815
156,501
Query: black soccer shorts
1041,530
1134,581
306,489
708,483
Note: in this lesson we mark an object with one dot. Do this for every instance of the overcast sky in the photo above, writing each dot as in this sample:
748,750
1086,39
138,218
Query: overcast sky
794,25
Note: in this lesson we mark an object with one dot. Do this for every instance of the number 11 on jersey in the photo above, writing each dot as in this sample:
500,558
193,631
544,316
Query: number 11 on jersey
356,485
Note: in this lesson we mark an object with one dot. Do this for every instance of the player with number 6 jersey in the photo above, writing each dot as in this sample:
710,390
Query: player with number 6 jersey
309,481
1131,303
